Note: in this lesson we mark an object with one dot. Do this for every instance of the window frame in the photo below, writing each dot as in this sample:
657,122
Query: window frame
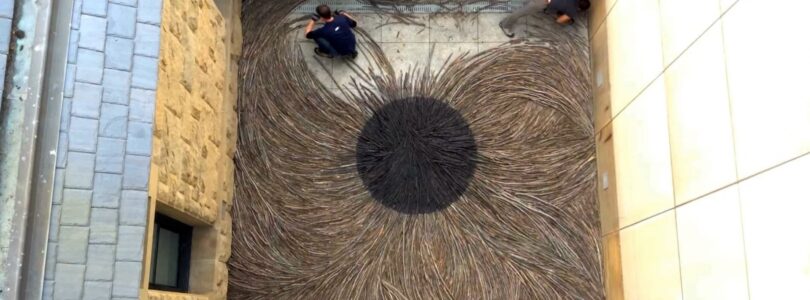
184,253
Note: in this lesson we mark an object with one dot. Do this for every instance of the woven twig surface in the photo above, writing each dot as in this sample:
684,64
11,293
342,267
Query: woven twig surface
310,223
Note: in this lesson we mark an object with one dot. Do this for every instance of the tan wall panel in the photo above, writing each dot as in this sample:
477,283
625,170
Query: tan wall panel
702,100
649,257
634,48
701,136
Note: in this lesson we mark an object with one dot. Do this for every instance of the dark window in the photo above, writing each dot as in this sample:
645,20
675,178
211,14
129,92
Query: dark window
171,255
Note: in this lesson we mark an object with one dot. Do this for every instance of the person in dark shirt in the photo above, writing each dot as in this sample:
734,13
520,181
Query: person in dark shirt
336,37
566,11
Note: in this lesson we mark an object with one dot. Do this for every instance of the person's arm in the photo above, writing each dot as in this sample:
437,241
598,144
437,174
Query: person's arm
564,19
311,25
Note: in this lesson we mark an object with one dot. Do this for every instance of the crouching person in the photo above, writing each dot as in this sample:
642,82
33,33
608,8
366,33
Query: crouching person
336,37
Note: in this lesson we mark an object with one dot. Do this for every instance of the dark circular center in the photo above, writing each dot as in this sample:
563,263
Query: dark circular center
416,155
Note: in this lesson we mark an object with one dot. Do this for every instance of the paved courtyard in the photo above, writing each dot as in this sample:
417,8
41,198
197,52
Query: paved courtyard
445,34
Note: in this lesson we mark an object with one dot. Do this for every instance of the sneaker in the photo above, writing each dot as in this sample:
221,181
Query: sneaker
322,54
506,31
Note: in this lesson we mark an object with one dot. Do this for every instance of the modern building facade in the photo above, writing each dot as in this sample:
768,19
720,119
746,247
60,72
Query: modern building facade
119,125
146,126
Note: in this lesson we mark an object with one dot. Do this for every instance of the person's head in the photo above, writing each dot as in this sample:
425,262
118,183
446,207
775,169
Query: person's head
584,5
324,11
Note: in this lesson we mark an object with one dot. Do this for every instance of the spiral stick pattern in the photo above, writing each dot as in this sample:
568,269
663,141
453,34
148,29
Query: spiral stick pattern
487,164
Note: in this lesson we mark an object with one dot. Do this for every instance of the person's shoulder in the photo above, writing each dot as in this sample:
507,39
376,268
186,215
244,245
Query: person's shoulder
342,18
569,7
562,4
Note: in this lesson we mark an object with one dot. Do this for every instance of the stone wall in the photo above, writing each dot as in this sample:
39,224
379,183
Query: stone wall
161,295
194,131
99,218
195,134
6,14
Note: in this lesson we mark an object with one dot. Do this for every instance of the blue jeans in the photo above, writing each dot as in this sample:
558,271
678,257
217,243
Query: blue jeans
325,47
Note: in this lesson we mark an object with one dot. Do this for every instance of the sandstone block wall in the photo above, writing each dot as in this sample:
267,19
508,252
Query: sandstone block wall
195,134
160,295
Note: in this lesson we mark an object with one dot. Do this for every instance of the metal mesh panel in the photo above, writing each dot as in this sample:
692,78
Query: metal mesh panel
357,7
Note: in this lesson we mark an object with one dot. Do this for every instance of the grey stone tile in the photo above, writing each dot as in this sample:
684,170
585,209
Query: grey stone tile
319,66
93,32
113,121
371,24
130,243
7,9
3,59
144,72
142,106
121,21
344,71
70,80
79,171
72,246
107,190
89,66
50,261
47,289
94,7
147,40
441,52
69,282
75,19
404,56
64,124
73,46
103,226
110,155
56,216
149,11
139,138
448,28
76,207
490,32
61,150
97,290
127,276
133,208
101,263
83,134
408,33
119,53
136,172
116,86
87,101
125,2
5,35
